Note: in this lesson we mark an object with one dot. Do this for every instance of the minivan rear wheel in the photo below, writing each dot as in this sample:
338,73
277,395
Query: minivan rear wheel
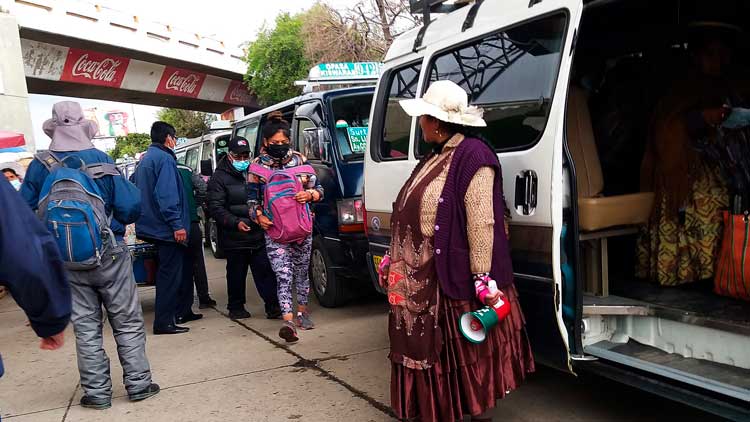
327,287
213,238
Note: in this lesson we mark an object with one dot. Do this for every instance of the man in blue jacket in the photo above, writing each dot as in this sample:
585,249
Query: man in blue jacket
112,283
165,221
31,267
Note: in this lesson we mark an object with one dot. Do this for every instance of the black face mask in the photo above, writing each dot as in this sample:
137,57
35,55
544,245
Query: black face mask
278,151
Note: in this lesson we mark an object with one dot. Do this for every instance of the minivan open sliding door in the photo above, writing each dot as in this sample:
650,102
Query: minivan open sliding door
515,63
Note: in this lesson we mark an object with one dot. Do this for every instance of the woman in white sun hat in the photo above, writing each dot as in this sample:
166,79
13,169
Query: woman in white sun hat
448,233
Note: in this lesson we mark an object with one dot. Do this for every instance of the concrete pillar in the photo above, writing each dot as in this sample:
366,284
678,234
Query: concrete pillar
14,95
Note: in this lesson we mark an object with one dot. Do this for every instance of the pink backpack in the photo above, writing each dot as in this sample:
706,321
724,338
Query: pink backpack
292,221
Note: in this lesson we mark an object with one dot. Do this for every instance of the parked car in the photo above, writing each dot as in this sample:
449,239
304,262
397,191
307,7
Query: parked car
330,128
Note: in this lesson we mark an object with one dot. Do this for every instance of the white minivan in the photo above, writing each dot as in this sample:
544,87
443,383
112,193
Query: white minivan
568,88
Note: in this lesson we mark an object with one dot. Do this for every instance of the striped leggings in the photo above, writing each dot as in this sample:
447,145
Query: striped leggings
291,263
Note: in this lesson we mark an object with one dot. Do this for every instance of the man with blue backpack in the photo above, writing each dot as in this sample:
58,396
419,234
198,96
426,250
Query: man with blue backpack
165,222
85,203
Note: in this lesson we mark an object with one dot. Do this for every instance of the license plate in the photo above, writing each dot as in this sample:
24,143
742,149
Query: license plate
377,260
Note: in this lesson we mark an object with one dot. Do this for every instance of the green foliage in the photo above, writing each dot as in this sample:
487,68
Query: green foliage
130,145
276,59
187,123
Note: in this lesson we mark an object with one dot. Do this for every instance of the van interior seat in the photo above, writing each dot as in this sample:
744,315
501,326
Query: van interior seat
597,212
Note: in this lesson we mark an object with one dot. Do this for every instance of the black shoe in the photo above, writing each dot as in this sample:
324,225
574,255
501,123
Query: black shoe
239,314
206,303
170,329
98,404
188,318
147,392
273,312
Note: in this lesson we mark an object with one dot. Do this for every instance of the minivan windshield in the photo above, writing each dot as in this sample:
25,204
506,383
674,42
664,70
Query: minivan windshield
351,116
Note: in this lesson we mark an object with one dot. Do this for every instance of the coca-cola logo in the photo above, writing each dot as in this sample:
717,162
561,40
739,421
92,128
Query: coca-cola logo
91,67
237,93
180,82
100,70
187,83
240,94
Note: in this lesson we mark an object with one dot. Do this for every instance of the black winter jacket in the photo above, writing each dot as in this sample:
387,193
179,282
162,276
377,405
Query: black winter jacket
227,205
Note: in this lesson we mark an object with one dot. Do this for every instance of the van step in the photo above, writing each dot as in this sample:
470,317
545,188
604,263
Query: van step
618,305
720,378
614,305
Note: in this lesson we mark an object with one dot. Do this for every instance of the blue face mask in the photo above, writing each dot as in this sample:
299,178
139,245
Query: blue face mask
241,165
16,184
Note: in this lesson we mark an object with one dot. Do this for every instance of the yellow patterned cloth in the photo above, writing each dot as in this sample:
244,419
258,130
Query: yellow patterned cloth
671,253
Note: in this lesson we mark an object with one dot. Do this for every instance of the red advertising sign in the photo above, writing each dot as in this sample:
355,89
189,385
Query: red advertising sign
92,68
238,94
180,82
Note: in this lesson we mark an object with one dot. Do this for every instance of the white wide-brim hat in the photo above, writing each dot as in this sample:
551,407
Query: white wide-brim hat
446,101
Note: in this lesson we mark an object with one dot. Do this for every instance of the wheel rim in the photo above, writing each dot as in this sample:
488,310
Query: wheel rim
319,272
212,236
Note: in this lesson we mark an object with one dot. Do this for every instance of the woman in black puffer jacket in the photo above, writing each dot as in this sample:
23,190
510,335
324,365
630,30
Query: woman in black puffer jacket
241,239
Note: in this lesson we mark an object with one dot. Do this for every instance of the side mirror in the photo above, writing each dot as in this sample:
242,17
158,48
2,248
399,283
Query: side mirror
207,168
316,144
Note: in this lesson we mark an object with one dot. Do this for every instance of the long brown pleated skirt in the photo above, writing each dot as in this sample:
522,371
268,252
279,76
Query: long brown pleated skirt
469,378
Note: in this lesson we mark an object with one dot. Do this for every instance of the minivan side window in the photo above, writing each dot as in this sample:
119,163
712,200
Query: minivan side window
396,126
207,150
304,142
512,75
191,158
249,132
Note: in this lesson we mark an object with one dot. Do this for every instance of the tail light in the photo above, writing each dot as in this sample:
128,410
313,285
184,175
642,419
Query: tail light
351,215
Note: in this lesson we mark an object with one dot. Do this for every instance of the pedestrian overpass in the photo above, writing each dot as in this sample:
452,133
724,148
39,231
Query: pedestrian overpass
80,49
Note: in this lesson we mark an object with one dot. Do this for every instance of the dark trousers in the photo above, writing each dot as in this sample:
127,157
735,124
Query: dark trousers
195,255
172,297
265,279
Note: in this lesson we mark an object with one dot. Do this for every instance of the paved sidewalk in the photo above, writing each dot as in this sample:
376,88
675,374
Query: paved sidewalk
221,371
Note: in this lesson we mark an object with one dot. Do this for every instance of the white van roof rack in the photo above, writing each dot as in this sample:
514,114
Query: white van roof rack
427,7
220,125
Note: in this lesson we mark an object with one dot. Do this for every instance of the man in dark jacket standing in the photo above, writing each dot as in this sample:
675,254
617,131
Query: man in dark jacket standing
195,192
165,221
31,267
241,239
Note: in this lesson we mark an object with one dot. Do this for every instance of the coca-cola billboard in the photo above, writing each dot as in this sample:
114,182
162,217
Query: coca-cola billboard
180,82
238,94
92,68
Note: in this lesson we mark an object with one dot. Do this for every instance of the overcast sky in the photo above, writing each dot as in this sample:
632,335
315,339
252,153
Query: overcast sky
234,21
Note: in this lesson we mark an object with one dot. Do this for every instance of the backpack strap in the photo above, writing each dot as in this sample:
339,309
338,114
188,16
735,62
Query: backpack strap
49,160
95,170
300,170
260,171
99,170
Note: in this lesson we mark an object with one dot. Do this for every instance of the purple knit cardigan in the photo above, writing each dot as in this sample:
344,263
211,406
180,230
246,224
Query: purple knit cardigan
451,240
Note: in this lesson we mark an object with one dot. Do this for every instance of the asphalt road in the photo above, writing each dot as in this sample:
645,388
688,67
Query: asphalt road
240,371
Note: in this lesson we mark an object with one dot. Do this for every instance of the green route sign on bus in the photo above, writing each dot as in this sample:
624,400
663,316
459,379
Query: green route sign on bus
346,70
357,138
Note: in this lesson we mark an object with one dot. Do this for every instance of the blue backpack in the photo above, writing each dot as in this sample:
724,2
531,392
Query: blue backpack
72,206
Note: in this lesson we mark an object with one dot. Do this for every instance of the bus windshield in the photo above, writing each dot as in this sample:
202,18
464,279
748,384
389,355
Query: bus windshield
352,120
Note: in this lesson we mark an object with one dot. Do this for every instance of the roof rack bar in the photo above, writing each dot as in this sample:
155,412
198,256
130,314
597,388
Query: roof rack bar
472,15
425,23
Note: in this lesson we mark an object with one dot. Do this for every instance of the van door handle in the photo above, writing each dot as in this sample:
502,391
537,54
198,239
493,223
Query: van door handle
526,189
